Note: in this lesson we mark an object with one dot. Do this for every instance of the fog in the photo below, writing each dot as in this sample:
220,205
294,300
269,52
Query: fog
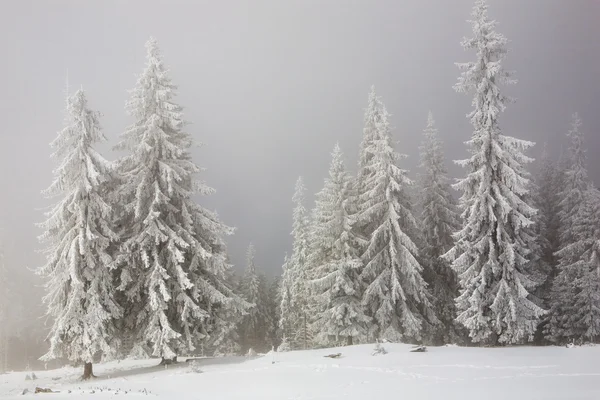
269,87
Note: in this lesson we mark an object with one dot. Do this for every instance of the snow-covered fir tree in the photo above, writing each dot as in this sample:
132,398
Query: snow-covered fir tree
300,293
268,315
273,302
576,254
285,301
491,253
546,198
173,257
337,265
395,296
78,234
575,312
371,131
439,221
257,322
574,183
250,291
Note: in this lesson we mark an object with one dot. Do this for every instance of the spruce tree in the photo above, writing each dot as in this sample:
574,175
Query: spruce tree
574,182
79,265
575,312
396,295
546,198
576,254
255,291
371,131
439,221
491,254
286,314
338,266
300,294
173,260
268,318
273,302
250,291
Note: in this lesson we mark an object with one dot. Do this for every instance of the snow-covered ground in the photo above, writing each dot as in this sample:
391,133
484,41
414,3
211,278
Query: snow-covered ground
447,373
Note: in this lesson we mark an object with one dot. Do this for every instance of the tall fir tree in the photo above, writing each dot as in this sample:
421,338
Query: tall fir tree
371,131
439,221
575,312
250,291
300,293
574,182
395,296
256,322
285,306
78,233
173,258
576,231
274,301
268,316
491,254
546,198
337,263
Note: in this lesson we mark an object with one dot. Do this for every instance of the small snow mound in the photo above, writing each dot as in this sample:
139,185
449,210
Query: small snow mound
379,349
195,367
284,346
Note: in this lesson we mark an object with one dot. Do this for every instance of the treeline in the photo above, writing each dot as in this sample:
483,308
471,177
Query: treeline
135,266
515,260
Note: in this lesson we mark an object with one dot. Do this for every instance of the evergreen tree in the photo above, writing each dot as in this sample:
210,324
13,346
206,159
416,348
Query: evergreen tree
491,253
268,320
396,295
173,258
575,183
575,312
439,220
273,302
547,200
302,336
576,255
285,304
80,292
338,266
258,322
371,131
250,291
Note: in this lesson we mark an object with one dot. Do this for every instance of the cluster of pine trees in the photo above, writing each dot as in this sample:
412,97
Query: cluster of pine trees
136,266
515,259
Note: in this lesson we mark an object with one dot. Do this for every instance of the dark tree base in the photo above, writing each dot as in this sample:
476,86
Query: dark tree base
88,372
168,361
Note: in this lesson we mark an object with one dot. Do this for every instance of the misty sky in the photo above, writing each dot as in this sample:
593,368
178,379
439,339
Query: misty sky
270,86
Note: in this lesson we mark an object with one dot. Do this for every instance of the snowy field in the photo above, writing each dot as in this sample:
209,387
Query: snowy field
446,373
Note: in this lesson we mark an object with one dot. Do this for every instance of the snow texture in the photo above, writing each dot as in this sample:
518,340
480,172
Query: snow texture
451,373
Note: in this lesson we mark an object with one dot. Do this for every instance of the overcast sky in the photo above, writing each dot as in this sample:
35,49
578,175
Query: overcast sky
270,86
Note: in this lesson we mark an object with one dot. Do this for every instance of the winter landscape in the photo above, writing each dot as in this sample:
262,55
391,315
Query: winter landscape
436,262
445,372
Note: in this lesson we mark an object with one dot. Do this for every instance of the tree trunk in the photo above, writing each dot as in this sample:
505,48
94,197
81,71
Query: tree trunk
167,361
88,372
